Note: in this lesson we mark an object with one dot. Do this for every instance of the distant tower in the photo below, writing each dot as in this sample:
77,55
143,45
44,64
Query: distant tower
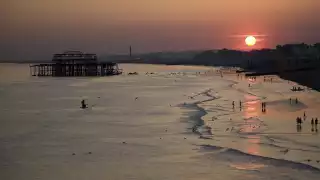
130,51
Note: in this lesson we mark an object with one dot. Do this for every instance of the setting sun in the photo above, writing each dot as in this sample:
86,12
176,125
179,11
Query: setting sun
250,40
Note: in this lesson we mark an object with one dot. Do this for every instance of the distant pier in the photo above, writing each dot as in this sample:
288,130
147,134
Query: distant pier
75,63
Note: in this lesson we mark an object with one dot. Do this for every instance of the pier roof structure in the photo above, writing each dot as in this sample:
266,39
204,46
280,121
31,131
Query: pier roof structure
74,57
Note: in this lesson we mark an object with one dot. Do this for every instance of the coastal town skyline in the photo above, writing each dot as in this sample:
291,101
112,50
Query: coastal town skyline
37,29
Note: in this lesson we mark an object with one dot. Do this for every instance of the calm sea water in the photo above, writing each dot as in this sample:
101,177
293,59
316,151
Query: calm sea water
173,124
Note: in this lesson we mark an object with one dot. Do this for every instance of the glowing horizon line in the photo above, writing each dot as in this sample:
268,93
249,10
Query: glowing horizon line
246,35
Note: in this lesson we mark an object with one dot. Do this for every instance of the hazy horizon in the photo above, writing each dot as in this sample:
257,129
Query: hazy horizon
36,29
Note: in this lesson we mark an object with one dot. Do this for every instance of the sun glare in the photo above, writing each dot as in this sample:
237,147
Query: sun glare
250,40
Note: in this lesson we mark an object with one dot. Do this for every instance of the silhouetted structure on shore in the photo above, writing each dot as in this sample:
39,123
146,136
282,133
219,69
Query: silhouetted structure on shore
75,63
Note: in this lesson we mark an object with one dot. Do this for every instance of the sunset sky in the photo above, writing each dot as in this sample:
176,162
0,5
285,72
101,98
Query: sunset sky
35,29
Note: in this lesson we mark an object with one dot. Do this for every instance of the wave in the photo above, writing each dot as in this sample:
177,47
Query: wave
234,155
196,117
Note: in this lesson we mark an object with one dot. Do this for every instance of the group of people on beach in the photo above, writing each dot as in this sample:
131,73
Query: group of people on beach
314,122
297,89
263,107
264,79
296,100
240,104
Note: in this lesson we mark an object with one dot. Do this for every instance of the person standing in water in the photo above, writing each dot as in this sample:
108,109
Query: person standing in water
296,100
83,104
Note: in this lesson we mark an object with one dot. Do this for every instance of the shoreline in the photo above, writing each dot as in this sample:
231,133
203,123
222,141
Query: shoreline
304,75
200,126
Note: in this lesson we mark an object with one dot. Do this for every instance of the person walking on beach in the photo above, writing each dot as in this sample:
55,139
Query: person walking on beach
233,104
296,100
263,107
312,122
304,116
316,122
299,127
290,100
240,105
299,121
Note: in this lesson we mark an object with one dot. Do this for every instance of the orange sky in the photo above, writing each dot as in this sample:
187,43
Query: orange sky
110,26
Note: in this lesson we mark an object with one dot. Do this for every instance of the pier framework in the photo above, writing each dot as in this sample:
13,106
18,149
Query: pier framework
75,63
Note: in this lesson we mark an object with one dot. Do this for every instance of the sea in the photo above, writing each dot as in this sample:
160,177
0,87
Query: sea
166,122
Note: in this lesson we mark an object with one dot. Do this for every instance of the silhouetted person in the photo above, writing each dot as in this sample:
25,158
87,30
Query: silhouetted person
83,104
312,122
233,104
240,103
299,128
296,100
299,120
290,100
316,121
304,116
